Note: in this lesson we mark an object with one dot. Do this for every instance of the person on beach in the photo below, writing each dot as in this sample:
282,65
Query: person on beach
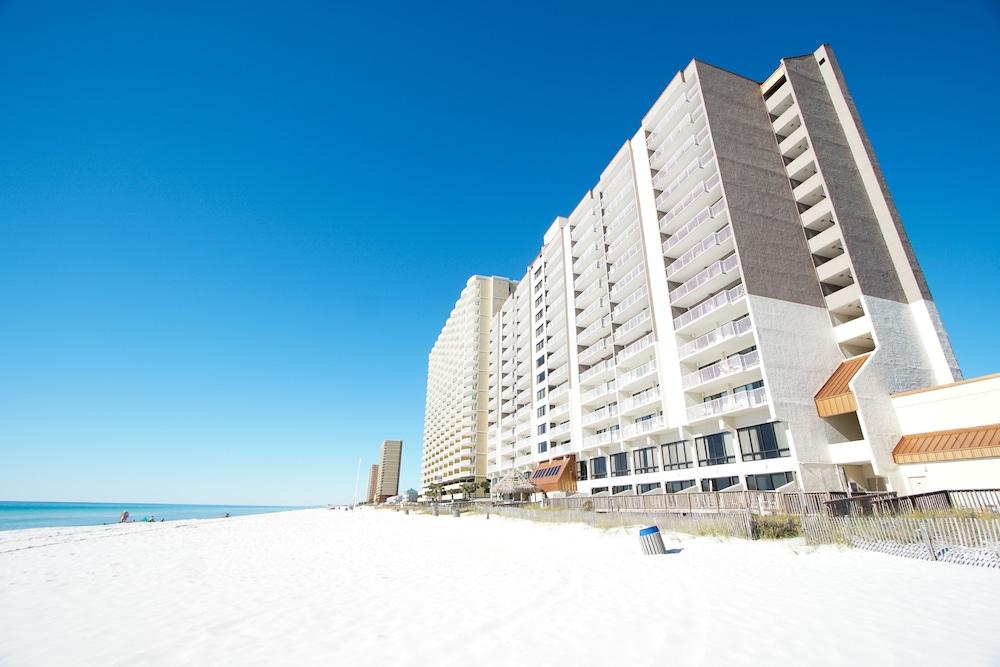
124,518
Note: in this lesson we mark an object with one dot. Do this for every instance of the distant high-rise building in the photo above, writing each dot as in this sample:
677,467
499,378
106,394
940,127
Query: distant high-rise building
455,423
372,483
388,470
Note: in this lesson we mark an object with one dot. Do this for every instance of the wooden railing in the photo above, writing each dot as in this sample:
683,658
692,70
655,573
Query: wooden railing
757,502
978,500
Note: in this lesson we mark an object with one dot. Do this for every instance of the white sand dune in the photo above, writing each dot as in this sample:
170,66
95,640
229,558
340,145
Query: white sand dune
372,587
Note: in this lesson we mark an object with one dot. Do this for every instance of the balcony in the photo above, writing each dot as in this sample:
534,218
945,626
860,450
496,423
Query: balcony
709,280
618,290
701,195
667,121
637,375
794,144
662,179
780,100
631,304
629,235
641,400
703,163
600,371
689,123
787,122
559,391
591,272
713,247
810,192
598,439
819,216
633,351
594,290
728,404
729,370
559,375
600,417
629,259
586,253
633,328
617,223
597,394
723,306
704,347
593,311
644,427
592,332
597,351
707,218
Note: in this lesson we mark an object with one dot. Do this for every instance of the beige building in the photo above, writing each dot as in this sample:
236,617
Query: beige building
372,483
388,470
455,421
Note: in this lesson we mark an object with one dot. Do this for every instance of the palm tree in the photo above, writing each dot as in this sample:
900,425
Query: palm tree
434,491
469,489
484,485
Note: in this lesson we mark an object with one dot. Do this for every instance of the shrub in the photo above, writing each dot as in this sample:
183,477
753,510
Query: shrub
776,527
587,506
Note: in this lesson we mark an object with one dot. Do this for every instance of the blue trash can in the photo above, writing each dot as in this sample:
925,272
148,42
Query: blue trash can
651,541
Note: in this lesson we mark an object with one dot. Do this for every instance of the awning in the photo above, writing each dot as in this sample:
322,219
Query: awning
835,396
954,445
555,475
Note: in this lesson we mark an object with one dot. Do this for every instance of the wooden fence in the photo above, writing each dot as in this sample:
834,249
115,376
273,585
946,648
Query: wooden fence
978,500
737,523
972,541
699,502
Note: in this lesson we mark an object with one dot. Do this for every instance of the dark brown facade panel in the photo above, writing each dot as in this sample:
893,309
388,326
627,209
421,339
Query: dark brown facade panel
766,227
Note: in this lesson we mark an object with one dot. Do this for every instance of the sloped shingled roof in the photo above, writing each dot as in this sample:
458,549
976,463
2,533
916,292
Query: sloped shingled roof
954,445
835,396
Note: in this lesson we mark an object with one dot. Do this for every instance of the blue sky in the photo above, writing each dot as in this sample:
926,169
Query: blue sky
230,232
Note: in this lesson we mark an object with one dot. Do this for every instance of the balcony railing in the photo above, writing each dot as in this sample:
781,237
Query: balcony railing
725,332
645,426
703,161
634,250
668,116
683,124
704,186
714,270
709,242
741,400
731,295
637,373
596,349
598,415
611,230
619,287
601,439
598,391
643,398
595,307
596,370
632,299
632,323
728,366
659,182
593,327
636,347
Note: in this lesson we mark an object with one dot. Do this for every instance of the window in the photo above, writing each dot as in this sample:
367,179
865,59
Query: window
619,464
646,488
749,387
541,412
540,314
620,489
539,361
676,455
714,450
541,429
540,393
540,330
769,481
644,460
538,301
719,483
677,487
538,271
598,489
599,468
543,446
541,376
581,471
712,397
539,345
760,442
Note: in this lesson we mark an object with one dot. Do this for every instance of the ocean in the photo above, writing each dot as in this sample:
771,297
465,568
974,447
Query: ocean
16,514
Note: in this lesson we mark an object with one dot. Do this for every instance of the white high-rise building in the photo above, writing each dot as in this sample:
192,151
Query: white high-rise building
455,423
730,306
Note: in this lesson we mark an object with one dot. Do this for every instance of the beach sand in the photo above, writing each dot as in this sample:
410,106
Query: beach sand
377,587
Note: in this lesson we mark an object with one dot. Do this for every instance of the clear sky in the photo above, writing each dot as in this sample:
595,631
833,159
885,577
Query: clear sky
230,232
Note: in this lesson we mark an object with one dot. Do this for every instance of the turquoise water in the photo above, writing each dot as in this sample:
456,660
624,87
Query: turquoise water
15,514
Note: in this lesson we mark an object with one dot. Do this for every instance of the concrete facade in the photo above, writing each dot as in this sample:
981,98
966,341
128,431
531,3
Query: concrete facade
675,326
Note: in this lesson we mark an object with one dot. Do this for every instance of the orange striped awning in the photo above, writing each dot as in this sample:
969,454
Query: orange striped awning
960,443
835,396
